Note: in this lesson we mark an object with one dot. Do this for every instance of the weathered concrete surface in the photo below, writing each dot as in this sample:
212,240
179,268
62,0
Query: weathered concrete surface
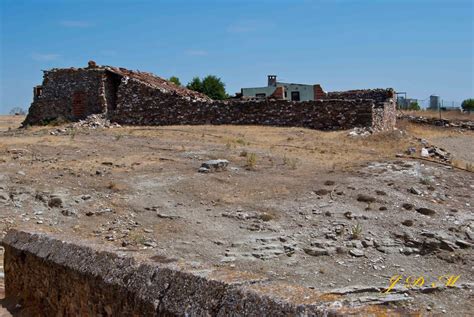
57,277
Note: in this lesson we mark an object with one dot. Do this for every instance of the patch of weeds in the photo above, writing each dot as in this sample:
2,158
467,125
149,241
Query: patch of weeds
425,180
115,187
356,231
138,238
118,137
291,162
72,133
266,217
251,161
241,142
470,167
243,154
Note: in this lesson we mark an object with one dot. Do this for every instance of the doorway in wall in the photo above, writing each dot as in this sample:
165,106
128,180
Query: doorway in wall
295,96
78,104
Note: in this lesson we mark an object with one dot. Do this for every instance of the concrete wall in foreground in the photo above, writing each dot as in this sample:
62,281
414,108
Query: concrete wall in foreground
53,277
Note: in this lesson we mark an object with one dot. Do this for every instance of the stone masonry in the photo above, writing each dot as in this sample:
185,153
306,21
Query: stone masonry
90,280
139,98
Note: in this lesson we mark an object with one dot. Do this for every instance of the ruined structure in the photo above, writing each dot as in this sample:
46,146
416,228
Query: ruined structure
138,98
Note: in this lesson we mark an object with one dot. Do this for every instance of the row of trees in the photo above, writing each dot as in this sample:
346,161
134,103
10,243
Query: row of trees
467,105
211,85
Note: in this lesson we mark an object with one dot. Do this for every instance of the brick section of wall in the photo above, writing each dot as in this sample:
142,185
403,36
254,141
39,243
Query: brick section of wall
279,93
318,92
58,90
52,276
139,104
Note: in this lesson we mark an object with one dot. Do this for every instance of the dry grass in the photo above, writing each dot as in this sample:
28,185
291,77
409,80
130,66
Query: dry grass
450,115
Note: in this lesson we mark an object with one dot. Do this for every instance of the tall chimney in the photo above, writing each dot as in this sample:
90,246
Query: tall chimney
272,80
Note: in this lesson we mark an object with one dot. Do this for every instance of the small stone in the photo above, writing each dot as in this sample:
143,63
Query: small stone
348,215
322,192
383,208
408,222
327,213
380,192
408,206
68,212
356,252
215,165
90,213
204,170
426,211
365,198
463,244
55,202
329,183
316,251
3,196
415,191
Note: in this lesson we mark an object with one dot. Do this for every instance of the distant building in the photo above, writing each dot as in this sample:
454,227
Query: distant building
284,91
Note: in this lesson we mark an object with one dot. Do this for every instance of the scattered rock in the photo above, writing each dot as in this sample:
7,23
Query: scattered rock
55,202
426,211
463,244
356,252
408,222
365,198
316,251
213,166
383,208
4,196
329,183
165,216
322,192
408,206
415,191
68,212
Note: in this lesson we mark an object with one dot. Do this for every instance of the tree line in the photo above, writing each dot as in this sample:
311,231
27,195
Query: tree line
212,86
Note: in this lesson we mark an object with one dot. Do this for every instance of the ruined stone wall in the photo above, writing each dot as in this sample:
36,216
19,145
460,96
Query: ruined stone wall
379,95
59,86
139,104
51,276
384,116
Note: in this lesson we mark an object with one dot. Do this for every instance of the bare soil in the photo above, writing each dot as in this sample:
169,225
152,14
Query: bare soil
320,209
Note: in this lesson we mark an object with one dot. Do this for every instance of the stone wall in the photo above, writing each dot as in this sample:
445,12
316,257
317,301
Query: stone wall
59,86
139,104
379,95
51,276
139,98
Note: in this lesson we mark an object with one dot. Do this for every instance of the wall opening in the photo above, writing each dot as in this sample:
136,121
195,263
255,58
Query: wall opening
79,104
295,96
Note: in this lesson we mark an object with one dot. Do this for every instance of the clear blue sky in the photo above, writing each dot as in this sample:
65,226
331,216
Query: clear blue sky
421,47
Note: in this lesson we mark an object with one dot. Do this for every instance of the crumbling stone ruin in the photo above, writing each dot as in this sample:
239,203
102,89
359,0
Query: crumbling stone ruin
139,98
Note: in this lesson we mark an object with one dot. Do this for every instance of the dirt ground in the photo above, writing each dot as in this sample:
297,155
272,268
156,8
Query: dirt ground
326,210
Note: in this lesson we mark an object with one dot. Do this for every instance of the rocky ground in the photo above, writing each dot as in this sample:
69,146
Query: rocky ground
336,211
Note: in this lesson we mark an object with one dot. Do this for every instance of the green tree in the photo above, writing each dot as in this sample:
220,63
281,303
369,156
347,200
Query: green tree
414,106
175,80
195,84
211,85
468,105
